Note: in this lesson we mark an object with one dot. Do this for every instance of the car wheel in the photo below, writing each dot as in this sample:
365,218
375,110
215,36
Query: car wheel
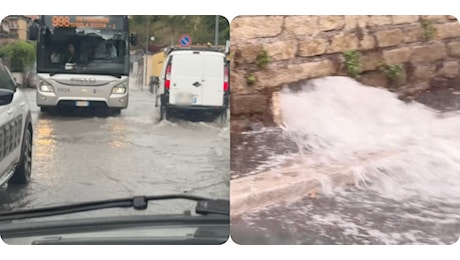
23,170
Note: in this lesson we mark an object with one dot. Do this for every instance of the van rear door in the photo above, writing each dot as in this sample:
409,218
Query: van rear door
213,79
186,85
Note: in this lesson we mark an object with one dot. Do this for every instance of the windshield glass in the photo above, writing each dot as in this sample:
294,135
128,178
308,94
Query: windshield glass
97,128
84,44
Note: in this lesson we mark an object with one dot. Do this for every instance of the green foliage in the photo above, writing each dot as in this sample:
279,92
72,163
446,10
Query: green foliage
21,55
392,72
167,28
262,59
352,63
251,79
428,29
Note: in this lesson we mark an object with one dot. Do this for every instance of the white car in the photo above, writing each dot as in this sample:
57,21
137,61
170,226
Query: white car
194,79
16,132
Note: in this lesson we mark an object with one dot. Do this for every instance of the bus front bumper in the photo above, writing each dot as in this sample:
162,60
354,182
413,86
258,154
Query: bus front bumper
47,99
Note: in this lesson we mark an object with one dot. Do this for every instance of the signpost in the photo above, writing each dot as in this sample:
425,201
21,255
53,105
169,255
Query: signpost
185,40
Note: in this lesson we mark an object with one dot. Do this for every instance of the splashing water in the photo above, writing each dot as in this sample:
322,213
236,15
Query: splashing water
402,159
401,150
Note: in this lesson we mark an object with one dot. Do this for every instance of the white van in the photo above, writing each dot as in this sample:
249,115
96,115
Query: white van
194,79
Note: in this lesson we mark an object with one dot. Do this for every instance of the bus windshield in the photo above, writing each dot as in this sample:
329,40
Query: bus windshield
84,45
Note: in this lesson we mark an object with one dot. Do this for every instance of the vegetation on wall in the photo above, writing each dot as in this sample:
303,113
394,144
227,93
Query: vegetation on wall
262,59
251,79
352,64
393,72
428,29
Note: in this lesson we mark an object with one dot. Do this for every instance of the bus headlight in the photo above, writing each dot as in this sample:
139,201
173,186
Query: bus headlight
45,88
120,89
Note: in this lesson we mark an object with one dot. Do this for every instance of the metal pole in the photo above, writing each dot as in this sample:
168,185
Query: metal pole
146,51
147,36
216,39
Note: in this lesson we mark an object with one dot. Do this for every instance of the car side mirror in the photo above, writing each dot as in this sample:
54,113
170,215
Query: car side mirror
6,96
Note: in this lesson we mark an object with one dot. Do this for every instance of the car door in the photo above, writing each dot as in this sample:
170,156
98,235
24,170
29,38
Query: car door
7,114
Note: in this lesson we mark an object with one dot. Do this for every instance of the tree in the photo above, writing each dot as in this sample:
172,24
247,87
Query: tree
167,28
20,54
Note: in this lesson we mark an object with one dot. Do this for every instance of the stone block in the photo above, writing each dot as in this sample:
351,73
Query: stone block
428,53
343,42
247,27
388,38
248,104
312,47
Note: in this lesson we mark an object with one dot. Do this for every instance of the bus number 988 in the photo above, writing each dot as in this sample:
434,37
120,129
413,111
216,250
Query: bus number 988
61,21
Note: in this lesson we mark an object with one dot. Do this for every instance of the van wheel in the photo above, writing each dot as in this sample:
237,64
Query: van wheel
223,117
156,96
23,171
163,113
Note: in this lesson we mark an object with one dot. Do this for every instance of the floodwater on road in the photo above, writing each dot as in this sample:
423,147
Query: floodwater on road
402,161
80,156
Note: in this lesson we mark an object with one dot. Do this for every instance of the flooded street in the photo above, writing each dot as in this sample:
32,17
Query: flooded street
400,163
80,156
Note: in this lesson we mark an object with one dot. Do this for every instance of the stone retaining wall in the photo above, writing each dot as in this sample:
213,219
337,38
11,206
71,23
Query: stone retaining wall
271,51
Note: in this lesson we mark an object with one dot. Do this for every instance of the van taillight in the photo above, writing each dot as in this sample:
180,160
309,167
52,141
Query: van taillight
225,79
168,77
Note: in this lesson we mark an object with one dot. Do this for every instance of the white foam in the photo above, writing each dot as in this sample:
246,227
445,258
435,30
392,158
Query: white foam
341,121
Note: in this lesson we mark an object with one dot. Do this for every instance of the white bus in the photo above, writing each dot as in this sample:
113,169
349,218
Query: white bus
82,61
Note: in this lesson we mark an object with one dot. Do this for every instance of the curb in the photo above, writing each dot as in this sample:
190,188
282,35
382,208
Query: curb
294,182
264,189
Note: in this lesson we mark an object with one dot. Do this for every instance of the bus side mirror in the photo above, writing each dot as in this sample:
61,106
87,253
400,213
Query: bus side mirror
33,32
133,39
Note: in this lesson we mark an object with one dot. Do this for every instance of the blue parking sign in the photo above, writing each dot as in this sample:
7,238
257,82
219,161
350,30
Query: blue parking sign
185,40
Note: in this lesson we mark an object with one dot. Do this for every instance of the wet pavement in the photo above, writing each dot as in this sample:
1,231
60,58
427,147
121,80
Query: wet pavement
381,212
81,156
252,152
350,217
440,99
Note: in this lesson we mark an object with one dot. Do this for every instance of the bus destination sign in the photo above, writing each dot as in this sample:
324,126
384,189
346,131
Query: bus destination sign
74,21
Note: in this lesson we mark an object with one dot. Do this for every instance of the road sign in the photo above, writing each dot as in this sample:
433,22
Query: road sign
185,40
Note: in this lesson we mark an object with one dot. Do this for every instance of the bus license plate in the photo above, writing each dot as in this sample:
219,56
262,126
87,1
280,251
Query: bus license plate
81,103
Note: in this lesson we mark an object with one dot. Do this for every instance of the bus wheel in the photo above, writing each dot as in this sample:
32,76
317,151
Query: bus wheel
116,112
45,109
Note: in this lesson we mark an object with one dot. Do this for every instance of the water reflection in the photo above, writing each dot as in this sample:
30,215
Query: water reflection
44,151
44,143
118,134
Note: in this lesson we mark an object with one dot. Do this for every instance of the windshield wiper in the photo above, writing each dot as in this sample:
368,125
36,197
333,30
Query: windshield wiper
204,206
